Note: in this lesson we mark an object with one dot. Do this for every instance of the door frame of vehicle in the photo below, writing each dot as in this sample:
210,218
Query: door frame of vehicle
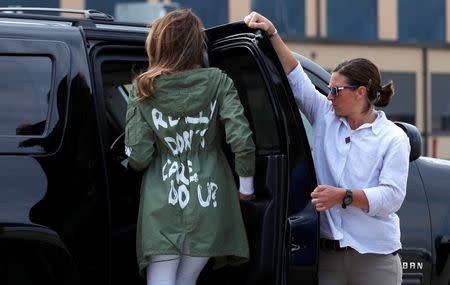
296,217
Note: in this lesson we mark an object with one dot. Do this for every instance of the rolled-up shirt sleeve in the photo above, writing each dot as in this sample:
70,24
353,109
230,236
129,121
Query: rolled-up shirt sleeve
388,196
310,101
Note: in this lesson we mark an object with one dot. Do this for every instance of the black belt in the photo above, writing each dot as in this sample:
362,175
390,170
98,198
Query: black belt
330,244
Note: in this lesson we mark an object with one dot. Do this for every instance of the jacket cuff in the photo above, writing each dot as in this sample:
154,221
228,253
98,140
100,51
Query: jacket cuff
245,166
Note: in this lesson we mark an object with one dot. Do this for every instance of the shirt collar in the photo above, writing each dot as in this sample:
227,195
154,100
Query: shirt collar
379,122
375,126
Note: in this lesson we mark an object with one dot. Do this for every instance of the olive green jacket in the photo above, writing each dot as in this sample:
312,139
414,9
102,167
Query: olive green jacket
188,191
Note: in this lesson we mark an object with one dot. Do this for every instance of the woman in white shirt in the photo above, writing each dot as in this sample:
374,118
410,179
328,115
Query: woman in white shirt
361,161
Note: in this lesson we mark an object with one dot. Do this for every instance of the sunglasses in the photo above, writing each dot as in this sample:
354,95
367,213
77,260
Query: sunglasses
334,90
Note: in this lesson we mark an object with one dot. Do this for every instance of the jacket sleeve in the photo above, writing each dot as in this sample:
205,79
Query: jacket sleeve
237,130
139,137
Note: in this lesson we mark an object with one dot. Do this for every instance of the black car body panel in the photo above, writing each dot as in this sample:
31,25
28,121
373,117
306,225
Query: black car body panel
68,205
437,196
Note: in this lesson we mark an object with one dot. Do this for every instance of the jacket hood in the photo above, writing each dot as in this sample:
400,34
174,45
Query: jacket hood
186,93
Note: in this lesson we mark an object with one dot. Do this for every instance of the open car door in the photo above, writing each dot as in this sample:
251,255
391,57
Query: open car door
282,225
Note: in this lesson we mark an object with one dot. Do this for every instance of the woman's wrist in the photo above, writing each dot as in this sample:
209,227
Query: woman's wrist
270,35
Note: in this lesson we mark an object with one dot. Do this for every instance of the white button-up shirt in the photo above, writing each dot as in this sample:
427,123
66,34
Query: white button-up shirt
374,158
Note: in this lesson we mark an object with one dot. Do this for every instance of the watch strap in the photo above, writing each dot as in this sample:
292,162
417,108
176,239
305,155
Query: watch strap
348,198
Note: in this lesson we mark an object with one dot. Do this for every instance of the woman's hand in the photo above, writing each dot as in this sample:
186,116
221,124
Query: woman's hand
258,21
245,197
325,197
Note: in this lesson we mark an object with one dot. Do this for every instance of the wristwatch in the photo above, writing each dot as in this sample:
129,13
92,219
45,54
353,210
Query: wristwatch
348,198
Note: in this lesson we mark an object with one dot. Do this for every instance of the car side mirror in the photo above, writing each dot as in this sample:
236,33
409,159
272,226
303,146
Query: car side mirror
415,139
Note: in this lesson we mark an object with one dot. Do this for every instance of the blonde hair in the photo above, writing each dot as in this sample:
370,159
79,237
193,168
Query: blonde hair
174,44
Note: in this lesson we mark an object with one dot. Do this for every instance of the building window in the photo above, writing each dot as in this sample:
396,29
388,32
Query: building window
107,7
440,102
212,13
25,88
403,104
420,21
28,3
288,16
352,20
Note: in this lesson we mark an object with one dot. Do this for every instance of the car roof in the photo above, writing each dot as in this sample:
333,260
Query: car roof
313,67
52,17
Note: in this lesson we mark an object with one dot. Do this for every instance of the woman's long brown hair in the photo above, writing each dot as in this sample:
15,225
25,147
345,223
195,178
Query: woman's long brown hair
174,44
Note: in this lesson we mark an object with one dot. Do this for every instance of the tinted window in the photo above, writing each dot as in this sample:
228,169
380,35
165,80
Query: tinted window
240,65
25,84
117,76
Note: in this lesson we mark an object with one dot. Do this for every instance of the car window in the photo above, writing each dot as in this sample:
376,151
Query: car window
240,65
25,83
117,77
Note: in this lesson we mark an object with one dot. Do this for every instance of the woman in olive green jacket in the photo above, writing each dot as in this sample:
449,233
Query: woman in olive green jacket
177,111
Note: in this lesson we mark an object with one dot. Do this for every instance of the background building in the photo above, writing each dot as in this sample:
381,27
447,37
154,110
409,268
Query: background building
408,39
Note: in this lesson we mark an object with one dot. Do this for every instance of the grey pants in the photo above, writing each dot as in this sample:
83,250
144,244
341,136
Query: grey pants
348,267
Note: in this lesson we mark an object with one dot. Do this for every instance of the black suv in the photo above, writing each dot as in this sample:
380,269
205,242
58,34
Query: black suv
68,206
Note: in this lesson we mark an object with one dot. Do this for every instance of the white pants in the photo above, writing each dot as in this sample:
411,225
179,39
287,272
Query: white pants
174,269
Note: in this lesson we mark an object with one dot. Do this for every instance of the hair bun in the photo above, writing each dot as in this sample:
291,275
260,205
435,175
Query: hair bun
385,95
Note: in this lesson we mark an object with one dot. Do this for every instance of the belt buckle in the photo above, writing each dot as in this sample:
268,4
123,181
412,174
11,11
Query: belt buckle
325,244
335,245
329,244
